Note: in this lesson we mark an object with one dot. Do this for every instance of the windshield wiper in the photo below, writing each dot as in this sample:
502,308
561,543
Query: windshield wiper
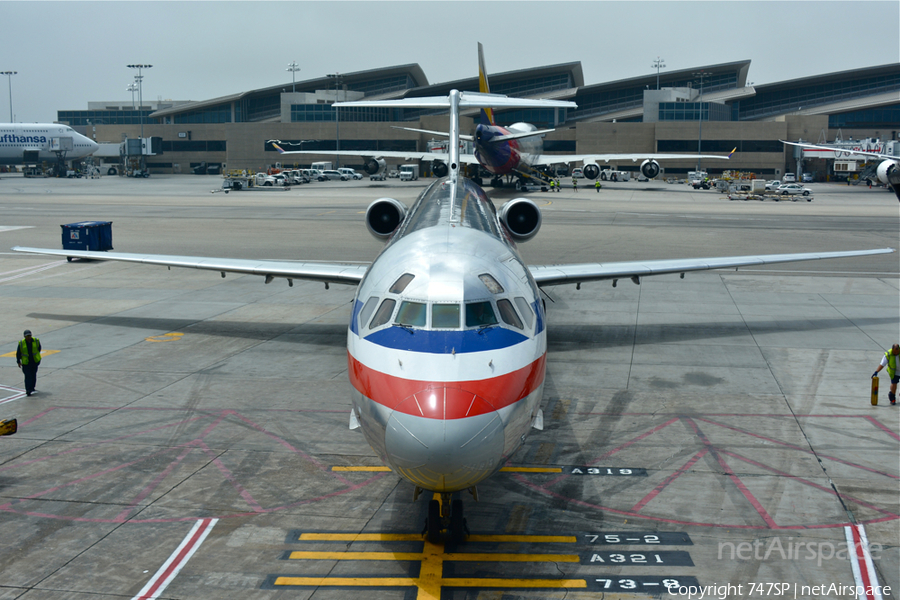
408,328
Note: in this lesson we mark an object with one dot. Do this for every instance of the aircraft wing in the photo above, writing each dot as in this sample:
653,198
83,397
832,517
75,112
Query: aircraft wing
345,273
842,150
547,275
414,155
553,159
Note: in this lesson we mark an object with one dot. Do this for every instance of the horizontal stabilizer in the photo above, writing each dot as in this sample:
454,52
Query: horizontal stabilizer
466,100
445,134
518,136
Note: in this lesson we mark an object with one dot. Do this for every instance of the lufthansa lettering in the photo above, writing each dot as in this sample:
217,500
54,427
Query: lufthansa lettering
11,138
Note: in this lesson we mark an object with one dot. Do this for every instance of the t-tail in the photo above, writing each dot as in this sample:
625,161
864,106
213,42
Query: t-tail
487,114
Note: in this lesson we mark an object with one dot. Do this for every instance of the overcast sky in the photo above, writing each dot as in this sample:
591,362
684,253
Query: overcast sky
69,53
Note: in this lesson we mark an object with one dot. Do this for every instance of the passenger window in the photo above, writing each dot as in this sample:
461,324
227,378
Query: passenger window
508,313
479,314
490,283
445,316
383,315
401,283
411,313
367,309
525,310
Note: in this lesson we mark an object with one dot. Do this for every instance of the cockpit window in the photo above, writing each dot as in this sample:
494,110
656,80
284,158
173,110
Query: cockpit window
411,313
383,315
479,314
367,309
490,283
401,283
445,316
508,313
525,310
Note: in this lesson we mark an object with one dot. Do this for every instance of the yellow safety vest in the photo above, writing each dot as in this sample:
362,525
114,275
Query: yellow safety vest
26,352
891,363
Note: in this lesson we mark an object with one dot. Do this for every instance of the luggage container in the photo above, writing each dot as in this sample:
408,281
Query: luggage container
87,235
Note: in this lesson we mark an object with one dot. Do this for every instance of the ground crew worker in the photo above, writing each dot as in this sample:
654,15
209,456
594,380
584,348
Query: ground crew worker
557,185
28,357
890,361
597,186
574,184
552,186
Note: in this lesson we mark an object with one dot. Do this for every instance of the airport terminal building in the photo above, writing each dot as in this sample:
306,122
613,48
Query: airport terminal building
709,109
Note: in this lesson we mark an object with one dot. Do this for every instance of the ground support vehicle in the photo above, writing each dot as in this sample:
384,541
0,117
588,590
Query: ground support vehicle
237,180
409,172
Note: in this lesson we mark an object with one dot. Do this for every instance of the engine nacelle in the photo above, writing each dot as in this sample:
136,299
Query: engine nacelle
591,171
650,168
373,166
384,216
439,169
522,218
886,169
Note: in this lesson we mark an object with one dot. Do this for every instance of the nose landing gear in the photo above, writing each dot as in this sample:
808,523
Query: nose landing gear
446,515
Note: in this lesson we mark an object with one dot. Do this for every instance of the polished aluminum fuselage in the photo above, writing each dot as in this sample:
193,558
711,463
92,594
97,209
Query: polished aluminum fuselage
445,407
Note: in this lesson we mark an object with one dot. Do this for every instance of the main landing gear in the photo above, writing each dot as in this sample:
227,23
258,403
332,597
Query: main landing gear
446,517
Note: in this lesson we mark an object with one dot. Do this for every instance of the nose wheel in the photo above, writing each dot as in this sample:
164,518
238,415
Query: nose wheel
447,516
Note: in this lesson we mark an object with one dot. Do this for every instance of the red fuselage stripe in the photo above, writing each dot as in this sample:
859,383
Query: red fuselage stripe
461,398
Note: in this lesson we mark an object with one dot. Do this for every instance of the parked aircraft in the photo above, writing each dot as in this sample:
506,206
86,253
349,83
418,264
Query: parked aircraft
888,171
514,150
447,339
33,143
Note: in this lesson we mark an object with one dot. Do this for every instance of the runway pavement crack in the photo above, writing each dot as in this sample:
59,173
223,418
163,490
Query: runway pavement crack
787,403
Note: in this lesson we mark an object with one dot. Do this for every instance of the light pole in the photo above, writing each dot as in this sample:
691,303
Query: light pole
293,67
337,115
132,87
658,64
701,75
9,75
140,78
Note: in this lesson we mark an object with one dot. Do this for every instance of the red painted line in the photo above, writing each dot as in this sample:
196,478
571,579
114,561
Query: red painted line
883,427
860,558
646,499
795,447
173,565
609,453
809,483
156,481
734,478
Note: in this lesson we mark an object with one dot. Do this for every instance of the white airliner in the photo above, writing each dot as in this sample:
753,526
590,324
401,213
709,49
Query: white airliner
513,150
447,340
33,143
888,171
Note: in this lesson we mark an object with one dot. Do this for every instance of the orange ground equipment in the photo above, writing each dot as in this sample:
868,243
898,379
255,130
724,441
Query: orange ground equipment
875,391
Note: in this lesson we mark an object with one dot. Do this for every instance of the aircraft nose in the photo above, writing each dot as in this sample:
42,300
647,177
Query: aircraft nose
444,438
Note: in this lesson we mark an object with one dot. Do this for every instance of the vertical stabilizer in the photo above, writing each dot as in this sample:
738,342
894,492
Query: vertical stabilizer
487,114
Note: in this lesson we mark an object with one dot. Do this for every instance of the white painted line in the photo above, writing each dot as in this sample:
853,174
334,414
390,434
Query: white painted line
861,562
14,227
34,271
17,393
177,560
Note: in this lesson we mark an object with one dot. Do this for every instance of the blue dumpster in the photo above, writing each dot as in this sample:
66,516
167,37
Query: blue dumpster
87,235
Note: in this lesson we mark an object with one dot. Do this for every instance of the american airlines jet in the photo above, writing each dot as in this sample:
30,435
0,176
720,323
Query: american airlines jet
32,143
447,340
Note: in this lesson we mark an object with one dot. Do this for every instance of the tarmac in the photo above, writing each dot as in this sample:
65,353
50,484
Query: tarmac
707,437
